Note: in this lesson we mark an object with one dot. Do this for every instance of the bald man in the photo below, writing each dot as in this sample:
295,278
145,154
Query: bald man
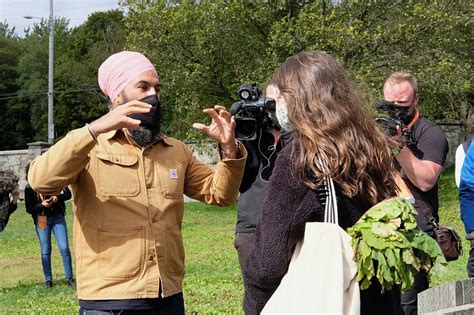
128,181
420,171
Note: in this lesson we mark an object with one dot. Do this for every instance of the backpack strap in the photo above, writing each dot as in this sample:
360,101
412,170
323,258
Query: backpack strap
466,145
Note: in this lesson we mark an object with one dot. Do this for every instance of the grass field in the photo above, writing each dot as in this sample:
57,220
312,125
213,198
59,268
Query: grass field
212,284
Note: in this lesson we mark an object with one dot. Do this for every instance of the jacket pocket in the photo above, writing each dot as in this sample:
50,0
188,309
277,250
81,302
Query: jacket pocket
171,178
174,250
121,251
117,174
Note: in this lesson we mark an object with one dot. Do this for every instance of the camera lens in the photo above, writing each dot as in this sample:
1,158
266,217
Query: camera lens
246,128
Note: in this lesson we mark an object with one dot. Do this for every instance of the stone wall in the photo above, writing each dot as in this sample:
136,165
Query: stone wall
455,298
455,133
17,160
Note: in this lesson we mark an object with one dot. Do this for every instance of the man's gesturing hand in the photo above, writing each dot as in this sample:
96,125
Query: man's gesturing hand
118,118
221,128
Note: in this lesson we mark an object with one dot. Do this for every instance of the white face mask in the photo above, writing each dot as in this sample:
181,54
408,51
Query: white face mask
282,116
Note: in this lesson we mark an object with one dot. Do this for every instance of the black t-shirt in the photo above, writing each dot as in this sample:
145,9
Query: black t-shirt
432,146
262,154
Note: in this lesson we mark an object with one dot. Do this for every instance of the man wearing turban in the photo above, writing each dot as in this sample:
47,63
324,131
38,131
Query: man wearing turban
128,181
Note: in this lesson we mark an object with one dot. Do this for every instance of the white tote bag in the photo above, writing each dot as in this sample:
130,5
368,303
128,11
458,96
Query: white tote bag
322,276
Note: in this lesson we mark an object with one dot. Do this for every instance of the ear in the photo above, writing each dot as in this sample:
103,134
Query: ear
277,90
416,98
116,102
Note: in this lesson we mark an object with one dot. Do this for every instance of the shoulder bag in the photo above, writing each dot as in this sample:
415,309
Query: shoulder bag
447,238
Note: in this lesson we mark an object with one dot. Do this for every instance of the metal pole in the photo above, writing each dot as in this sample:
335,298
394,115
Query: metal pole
50,76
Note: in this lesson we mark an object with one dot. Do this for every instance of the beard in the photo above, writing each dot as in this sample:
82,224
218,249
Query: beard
143,135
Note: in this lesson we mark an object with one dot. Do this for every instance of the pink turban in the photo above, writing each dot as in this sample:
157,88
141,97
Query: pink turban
120,69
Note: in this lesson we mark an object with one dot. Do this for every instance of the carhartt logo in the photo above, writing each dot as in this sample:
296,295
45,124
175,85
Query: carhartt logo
173,173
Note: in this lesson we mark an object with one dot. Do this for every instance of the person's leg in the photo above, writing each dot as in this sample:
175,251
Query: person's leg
172,305
470,261
59,227
373,302
244,243
410,297
44,237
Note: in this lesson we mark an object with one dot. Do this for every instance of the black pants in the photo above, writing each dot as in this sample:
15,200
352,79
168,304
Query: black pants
470,263
244,243
410,297
173,305
372,302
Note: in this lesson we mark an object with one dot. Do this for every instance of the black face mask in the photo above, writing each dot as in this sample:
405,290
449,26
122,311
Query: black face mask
150,124
403,114
408,118
152,119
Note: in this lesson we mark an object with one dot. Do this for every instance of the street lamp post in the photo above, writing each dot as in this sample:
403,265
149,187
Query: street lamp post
50,73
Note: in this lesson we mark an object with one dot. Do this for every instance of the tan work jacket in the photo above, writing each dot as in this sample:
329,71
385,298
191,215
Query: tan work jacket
128,208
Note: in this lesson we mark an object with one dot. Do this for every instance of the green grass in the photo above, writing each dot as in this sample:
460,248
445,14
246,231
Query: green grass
212,284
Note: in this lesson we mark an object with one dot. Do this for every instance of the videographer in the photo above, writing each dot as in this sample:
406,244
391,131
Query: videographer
262,153
420,162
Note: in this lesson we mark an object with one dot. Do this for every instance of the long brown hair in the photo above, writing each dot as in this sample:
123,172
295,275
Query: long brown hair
332,124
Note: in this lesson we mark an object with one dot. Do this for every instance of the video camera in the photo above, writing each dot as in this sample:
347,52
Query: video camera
389,124
252,112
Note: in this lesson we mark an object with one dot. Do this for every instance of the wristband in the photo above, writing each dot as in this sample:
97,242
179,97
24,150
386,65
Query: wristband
232,154
91,132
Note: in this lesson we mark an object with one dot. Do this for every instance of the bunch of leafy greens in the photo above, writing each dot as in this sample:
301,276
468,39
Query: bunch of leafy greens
388,245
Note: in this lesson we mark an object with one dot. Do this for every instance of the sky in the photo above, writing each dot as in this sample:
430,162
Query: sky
77,11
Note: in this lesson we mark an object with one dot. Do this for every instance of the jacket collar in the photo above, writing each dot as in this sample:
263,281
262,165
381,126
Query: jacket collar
114,133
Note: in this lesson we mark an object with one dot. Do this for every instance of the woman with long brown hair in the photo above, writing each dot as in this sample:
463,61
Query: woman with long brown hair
331,127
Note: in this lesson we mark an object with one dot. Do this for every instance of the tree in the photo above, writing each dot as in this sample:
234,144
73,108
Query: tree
373,38
204,51
89,45
78,55
33,72
14,115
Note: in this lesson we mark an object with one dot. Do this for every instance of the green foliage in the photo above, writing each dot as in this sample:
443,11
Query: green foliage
206,49
33,73
6,30
374,38
78,98
78,54
15,128
386,236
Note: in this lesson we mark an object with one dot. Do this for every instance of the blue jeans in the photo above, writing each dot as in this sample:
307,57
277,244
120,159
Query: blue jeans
56,224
